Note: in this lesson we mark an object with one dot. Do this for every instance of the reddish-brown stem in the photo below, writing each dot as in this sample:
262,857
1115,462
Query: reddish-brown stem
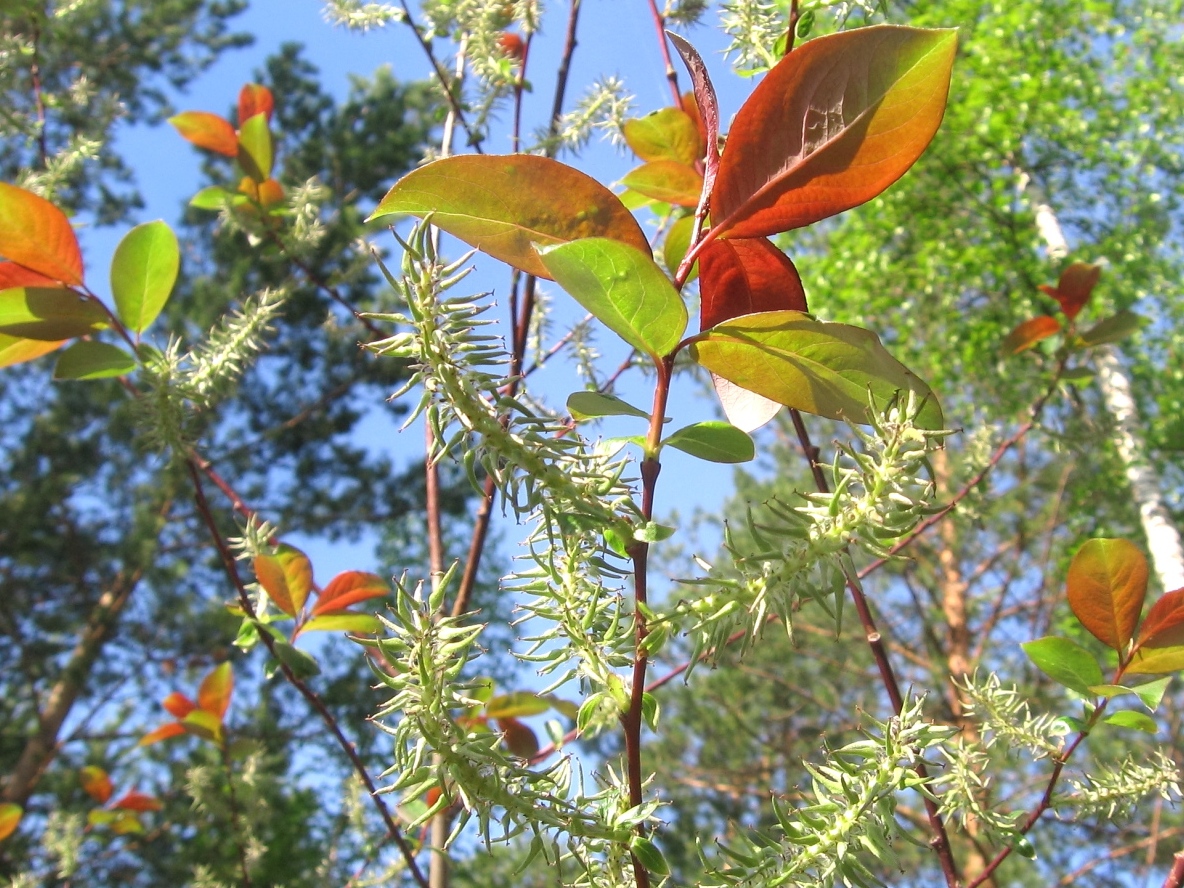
671,73
939,841
1176,874
792,30
312,698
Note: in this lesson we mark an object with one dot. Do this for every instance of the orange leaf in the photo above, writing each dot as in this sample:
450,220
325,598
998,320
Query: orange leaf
1075,286
18,349
13,275
138,801
1165,614
1029,333
833,124
10,818
214,694
254,99
178,705
286,577
206,130
36,234
164,732
742,276
1106,583
95,783
349,587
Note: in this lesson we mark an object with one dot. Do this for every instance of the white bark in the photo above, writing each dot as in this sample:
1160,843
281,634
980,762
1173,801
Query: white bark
1163,538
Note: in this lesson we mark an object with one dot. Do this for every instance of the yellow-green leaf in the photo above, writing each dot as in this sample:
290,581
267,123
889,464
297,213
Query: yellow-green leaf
286,577
93,360
255,147
666,134
143,272
49,314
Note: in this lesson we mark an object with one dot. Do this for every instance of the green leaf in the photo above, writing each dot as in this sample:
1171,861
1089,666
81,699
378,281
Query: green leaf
93,360
1138,721
518,704
650,711
1066,663
214,197
203,724
143,272
1106,584
1078,376
713,441
301,664
1117,327
667,181
678,241
588,405
255,147
624,288
362,624
834,123
666,134
49,314
505,205
1110,691
649,855
652,532
817,367
1152,692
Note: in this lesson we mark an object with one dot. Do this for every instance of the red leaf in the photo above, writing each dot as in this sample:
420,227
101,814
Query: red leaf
36,234
164,732
138,801
1106,584
519,739
214,694
1029,333
1165,614
254,99
178,705
13,275
742,276
286,577
96,783
207,131
706,106
832,125
690,106
1075,286
350,587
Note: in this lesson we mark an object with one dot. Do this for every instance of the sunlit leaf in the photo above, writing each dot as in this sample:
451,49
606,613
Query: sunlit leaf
624,288
286,577
96,783
254,99
143,271
1065,662
835,123
48,314
653,532
1138,721
1165,614
13,275
1113,329
1029,333
164,732
1152,692
564,707
127,823
178,705
741,276
216,688
361,624
255,147
36,234
713,441
746,410
649,855
350,587
817,367
678,241
10,818
1106,584
517,704
137,801
505,205
519,738
668,181
204,725
301,664
1161,655
93,360
1073,290
666,134
207,131
100,817
17,349
587,405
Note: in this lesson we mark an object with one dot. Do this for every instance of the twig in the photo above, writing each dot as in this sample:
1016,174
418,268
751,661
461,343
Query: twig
671,73
318,705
